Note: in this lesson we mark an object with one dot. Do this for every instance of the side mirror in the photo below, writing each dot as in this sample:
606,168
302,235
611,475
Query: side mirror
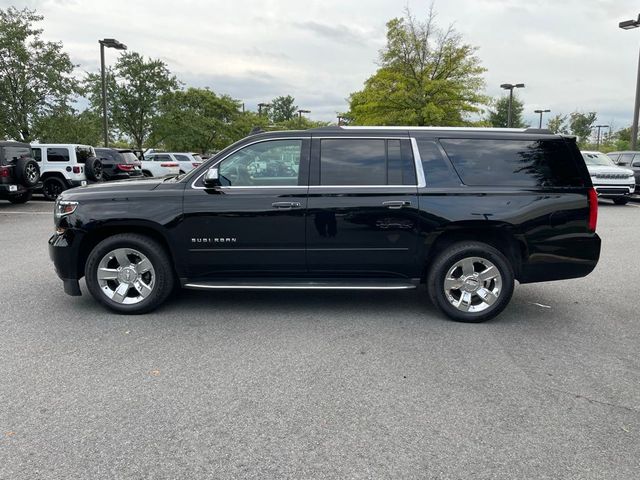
212,178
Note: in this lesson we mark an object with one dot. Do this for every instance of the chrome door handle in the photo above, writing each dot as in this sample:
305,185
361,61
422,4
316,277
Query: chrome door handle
285,205
395,204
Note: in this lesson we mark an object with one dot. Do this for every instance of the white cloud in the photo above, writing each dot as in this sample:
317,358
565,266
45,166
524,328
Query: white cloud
570,54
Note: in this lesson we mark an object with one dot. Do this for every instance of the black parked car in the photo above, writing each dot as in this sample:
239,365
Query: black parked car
118,163
629,159
465,211
19,172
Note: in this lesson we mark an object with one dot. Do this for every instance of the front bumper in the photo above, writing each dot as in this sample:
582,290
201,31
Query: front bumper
64,251
614,190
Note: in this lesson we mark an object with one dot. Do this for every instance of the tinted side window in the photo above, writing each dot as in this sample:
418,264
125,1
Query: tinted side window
57,155
438,171
37,154
353,162
401,169
161,158
182,158
517,163
12,154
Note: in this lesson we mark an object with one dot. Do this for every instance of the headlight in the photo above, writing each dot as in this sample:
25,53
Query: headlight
64,207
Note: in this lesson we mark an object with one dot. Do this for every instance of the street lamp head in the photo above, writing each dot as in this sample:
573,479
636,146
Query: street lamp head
304,111
511,86
541,111
630,24
113,43
519,85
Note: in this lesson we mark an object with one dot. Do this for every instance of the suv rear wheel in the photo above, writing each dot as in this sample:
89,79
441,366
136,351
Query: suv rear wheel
52,187
470,282
129,273
93,169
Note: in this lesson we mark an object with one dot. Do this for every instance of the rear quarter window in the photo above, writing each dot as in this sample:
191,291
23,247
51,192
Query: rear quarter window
513,163
57,155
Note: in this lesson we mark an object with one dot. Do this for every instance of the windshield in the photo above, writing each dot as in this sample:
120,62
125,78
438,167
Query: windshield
598,159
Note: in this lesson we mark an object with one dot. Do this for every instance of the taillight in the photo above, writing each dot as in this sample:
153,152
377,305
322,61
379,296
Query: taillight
169,164
125,167
76,169
4,172
593,209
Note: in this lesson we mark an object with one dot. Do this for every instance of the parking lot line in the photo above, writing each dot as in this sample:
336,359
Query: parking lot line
633,205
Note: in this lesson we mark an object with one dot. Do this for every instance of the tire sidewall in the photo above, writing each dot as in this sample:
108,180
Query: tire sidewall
94,169
452,255
49,181
164,280
21,172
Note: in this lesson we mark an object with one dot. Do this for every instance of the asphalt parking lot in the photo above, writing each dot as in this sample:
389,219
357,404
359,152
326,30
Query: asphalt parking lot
321,384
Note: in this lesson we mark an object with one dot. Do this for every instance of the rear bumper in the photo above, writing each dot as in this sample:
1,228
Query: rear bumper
64,251
8,190
561,259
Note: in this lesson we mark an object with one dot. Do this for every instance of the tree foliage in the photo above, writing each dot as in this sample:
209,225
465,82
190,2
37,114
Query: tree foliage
581,124
283,108
134,89
35,75
558,124
427,76
499,112
67,125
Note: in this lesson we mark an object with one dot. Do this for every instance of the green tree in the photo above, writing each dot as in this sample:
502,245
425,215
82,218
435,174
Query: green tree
196,119
581,125
499,112
66,125
427,76
282,109
134,89
35,75
558,124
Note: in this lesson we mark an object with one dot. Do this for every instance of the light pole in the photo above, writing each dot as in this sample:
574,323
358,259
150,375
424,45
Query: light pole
510,87
598,136
109,43
541,112
300,112
628,25
261,106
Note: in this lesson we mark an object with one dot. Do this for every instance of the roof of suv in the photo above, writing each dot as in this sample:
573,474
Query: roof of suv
11,143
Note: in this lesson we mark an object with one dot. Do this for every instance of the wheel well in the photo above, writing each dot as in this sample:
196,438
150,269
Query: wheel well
96,236
499,238
45,175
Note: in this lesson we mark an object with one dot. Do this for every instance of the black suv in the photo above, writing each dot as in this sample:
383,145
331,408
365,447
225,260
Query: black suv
19,173
118,163
465,211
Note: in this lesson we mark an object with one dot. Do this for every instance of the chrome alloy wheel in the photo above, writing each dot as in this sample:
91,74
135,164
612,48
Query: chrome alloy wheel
126,276
473,284
31,172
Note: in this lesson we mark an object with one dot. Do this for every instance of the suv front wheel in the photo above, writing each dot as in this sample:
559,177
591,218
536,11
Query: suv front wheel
470,282
129,273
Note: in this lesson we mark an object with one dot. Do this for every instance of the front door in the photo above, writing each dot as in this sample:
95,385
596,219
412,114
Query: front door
254,224
363,208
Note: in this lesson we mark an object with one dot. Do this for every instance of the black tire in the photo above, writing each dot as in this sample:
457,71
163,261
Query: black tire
27,172
21,197
620,201
93,169
52,187
447,259
147,173
164,275
181,172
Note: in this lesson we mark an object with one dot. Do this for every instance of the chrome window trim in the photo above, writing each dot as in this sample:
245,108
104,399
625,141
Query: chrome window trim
414,147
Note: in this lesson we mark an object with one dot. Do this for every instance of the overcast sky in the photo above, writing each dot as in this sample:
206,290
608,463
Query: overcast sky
569,53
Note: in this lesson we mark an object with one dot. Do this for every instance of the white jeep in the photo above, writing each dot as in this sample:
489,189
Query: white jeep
64,166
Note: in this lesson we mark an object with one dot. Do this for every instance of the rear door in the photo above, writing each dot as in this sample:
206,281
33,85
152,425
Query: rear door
362,208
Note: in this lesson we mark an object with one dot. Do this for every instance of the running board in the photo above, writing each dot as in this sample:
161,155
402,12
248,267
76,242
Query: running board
303,284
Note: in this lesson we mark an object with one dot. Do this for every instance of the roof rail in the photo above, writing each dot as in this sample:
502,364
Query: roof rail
538,130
